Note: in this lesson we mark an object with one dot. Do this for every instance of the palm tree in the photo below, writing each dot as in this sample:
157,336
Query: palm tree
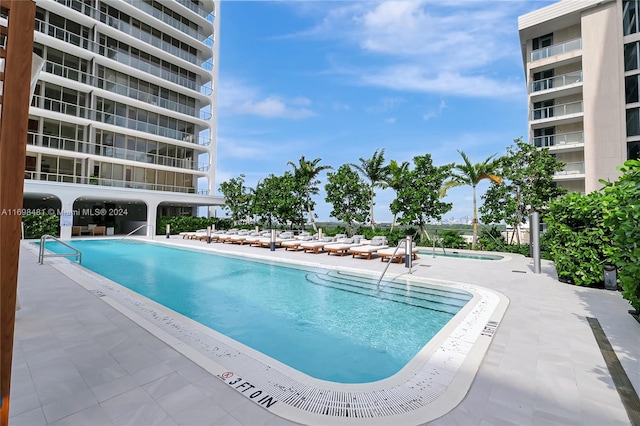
377,174
306,173
394,179
472,174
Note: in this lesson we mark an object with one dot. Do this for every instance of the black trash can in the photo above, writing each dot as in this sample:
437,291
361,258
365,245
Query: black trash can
610,277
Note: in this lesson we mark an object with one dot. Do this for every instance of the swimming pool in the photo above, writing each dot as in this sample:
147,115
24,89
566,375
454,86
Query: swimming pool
303,318
432,383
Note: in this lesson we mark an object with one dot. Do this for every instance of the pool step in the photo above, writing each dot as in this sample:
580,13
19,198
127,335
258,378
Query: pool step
412,297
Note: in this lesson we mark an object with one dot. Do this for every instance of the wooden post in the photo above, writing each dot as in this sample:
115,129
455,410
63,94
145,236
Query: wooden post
13,139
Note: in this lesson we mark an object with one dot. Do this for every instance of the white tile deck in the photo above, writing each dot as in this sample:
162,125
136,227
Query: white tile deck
78,361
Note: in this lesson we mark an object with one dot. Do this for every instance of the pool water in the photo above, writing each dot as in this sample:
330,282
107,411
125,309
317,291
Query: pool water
328,325
456,254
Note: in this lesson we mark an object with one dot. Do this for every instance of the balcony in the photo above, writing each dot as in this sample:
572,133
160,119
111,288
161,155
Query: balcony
55,142
557,82
74,179
561,141
572,171
568,112
556,49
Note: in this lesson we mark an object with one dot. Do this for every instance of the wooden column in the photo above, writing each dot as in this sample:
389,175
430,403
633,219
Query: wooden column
13,138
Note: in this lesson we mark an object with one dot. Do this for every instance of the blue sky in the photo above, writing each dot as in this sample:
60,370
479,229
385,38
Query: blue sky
338,80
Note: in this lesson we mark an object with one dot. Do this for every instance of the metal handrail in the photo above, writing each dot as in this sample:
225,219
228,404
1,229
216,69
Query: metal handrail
41,255
434,244
139,228
407,242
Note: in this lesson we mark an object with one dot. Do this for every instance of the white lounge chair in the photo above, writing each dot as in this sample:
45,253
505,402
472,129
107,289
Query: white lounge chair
342,246
294,244
377,243
316,246
393,255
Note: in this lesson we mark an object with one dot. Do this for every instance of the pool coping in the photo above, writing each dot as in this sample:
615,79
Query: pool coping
429,386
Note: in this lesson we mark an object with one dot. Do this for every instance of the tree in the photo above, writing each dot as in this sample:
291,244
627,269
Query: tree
621,207
373,169
306,173
528,185
395,176
418,197
237,198
349,196
471,174
276,201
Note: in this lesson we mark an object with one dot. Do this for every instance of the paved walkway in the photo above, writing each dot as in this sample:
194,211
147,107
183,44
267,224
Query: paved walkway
79,361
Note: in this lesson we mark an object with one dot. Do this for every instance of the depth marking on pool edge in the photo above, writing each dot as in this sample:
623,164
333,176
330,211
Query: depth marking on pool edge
243,386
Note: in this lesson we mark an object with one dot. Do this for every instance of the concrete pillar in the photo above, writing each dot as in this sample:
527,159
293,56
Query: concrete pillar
152,214
66,217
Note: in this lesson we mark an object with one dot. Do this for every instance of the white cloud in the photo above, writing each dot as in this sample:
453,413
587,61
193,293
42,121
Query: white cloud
236,97
433,113
391,120
441,47
339,106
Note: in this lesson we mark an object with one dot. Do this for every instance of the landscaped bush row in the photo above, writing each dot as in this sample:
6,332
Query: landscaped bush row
37,225
190,223
587,231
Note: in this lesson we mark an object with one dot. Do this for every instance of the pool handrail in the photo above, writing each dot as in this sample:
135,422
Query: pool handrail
41,255
441,245
138,228
407,242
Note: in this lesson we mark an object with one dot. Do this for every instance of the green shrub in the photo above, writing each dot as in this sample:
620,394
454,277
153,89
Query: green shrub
452,239
621,207
578,238
189,223
37,225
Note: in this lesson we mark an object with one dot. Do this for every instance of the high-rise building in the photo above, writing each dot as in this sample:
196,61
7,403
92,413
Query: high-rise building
582,67
122,123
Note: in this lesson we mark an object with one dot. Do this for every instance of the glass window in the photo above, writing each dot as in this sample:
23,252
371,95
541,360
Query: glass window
633,150
630,16
633,127
631,56
631,89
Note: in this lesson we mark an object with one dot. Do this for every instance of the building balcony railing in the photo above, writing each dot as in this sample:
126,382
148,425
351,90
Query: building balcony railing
108,117
195,8
128,29
575,168
557,81
158,14
121,89
121,56
557,110
556,49
56,142
560,139
69,178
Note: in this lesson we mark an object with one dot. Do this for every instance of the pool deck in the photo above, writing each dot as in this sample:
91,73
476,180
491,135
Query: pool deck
79,361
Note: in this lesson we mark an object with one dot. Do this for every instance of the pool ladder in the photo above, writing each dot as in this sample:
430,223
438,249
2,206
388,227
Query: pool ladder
41,255
408,257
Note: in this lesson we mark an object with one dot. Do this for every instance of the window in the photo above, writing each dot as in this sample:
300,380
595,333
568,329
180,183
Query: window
633,122
542,80
631,88
543,109
633,150
544,137
542,41
630,16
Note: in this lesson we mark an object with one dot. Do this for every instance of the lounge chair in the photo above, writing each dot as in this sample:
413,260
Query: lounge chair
295,243
280,238
76,230
316,246
377,243
342,247
393,255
